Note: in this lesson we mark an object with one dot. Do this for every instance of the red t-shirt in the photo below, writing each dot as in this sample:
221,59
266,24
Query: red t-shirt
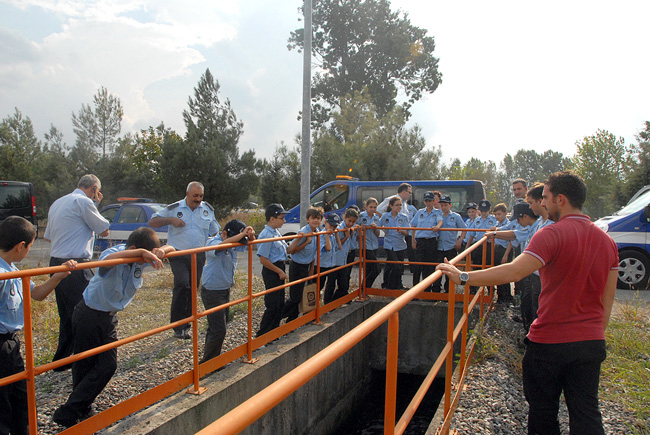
577,256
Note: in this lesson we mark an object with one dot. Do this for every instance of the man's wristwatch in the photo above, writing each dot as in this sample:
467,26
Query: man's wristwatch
464,277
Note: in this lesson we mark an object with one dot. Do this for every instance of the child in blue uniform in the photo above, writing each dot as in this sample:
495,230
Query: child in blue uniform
371,220
17,235
484,221
94,320
448,241
272,256
425,242
218,278
339,284
394,243
502,253
303,252
329,246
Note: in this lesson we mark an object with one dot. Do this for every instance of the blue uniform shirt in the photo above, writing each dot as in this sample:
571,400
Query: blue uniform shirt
470,223
393,239
11,301
114,290
423,219
307,254
372,242
220,265
200,224
501,225
521,233
72,219
274,251
410,210
327,258
480,223
447,239
341,255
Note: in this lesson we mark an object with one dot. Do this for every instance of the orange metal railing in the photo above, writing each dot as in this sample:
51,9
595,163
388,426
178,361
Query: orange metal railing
296,378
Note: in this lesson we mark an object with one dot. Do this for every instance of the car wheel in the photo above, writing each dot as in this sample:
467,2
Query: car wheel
633,270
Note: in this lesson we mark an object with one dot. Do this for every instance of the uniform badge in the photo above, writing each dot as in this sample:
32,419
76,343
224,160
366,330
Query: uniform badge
205,212
179,214
451,219
399,221
364,221
137,273
387,220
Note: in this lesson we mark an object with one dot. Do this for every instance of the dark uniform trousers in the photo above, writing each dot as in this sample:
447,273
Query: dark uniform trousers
296,271
504,294
448,254
425,251
393,271
273,302
181,306
372,269
68,294
92,328
217,322
13,397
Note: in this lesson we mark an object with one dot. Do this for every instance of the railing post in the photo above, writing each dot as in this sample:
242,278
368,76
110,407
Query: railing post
451,304
249,342
196,389
318,280
29,355
392,345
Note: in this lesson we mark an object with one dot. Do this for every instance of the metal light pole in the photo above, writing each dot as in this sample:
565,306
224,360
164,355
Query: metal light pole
306,117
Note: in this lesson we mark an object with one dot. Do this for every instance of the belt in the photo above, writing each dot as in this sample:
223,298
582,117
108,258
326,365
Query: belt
78,260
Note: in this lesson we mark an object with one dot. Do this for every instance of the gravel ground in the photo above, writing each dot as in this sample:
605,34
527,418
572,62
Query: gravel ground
494,403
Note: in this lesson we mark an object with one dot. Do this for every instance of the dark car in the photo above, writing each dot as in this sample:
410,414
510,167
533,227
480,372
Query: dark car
129,214
17,199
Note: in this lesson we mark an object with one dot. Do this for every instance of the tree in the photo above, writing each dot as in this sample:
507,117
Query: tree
19,147
476,169
209,153
602,160
98,129
56,175
280,179
361,145
362,43
640,174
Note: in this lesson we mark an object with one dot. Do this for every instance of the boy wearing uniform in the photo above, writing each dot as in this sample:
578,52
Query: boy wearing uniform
371,220
448,241
340,280
502,252
329,246
218,278
425,242
273,256
94,320
472,214
17,235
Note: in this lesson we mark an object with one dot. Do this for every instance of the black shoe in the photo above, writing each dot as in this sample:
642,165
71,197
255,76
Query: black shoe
63,417
518,319
183,334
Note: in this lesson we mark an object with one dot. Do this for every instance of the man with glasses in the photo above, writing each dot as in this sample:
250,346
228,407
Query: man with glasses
404,191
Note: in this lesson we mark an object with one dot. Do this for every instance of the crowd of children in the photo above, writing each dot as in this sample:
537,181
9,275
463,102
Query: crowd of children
336,245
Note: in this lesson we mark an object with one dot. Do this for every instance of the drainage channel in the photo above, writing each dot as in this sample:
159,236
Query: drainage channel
368,417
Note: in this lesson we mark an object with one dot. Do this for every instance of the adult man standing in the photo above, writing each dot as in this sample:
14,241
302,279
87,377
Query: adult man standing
404,191
191,222
578,264
72,222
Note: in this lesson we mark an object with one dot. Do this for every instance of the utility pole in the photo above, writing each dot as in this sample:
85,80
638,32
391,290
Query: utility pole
306,117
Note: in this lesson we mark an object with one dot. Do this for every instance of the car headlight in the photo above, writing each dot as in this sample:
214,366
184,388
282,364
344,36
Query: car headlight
603,226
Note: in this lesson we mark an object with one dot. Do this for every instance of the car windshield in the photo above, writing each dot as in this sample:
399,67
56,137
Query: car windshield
156,208
635,205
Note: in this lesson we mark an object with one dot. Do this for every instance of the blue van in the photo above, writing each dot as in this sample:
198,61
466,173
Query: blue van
336,196
629,229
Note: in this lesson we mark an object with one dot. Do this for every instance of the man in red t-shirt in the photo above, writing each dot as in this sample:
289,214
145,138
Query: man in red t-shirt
578,265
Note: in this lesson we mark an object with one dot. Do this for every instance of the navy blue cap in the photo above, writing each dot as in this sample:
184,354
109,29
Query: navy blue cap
484,205
471,205
235,227
429,196
274,210
333,219
445,198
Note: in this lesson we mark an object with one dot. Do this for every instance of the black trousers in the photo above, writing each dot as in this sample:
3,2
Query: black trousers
504,294
337,286
92,328
526,306
181,306
572,368
68,294
477,261
296,271
13,397
393,272
535,285
372,269
273,302
410,252
448,254
425,251
217,322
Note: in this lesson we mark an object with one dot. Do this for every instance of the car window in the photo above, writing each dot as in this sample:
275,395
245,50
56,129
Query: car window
333,197
15,197
131,215
109,213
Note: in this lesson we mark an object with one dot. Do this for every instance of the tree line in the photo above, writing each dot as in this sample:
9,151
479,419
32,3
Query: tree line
372,66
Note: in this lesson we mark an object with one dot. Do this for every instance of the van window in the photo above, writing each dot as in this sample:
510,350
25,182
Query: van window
132,215
636,205
15,197
333,197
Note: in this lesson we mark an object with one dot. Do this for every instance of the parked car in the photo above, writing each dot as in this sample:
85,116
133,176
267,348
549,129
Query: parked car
17,199
125,217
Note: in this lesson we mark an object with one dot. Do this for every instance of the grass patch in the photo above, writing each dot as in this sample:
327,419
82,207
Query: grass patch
626,371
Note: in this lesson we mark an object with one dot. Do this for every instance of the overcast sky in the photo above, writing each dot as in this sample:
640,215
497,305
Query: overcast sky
516,74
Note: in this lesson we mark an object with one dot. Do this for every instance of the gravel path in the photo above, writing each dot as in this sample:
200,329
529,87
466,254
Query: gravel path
494,402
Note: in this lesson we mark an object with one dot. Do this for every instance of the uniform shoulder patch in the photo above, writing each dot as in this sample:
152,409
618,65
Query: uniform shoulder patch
208,205
173,206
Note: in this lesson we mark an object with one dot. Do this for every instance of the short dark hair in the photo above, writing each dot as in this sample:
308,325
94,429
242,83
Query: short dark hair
143,237
316,212
402,187
500,207
438,194
569,184
15,229
393,200
536,191
519,180
351,213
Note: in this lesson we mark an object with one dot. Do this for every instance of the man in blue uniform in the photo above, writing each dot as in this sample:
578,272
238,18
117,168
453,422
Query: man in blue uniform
425,242
72,222
448,241
191,222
